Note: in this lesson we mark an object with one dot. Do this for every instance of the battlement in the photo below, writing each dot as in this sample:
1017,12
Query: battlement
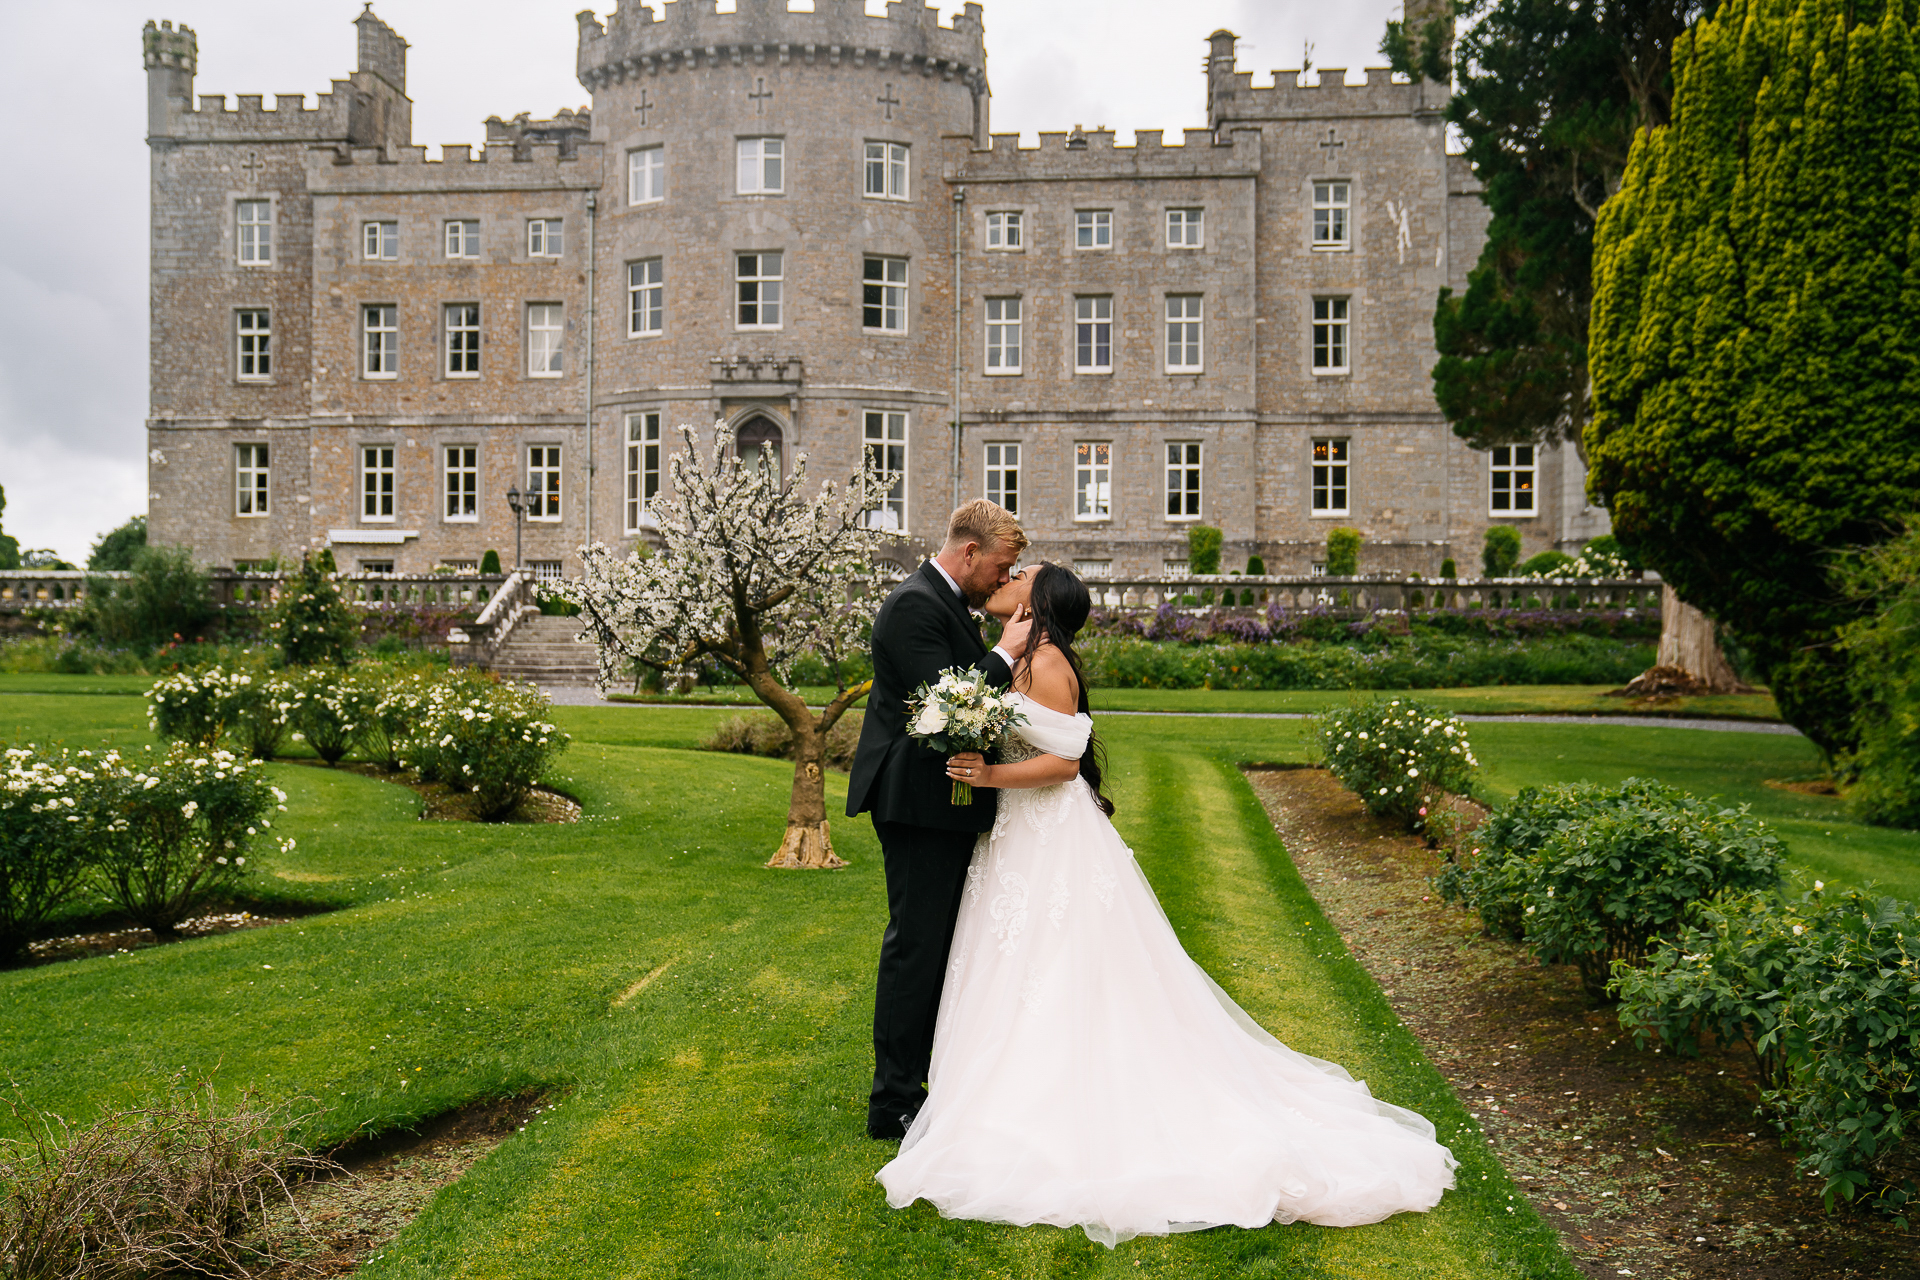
1235,98
528,166
164,47
692,33
290,119
1092,156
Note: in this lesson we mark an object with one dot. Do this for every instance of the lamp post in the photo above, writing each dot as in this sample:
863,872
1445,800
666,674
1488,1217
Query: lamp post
513,500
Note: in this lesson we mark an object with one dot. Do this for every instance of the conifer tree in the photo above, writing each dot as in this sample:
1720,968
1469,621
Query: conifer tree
1754,356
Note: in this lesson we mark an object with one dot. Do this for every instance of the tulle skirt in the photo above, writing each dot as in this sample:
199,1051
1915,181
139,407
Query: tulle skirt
1087,1073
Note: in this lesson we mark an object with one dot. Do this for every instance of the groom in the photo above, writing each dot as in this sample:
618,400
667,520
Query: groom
926,839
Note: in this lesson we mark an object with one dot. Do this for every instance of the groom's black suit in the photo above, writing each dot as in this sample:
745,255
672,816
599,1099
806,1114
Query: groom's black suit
927,840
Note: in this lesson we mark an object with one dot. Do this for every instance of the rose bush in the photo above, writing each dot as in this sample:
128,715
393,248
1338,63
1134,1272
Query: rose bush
48,817
1396,755
491,739
333,709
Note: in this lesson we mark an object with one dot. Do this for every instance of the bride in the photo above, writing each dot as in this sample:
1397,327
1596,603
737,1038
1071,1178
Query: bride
1086,1072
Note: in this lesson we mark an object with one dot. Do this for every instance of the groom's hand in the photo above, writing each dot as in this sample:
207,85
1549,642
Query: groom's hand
1013,637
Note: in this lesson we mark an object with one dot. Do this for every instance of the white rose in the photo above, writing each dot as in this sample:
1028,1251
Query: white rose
931,719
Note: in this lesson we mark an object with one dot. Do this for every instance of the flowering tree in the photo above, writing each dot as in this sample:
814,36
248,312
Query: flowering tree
754,573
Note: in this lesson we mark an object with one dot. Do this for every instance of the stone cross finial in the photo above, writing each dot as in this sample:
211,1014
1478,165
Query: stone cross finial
251,166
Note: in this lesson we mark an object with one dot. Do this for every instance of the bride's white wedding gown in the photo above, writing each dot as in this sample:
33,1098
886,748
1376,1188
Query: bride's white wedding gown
1086,1072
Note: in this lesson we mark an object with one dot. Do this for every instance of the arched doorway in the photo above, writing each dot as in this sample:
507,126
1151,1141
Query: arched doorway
753,433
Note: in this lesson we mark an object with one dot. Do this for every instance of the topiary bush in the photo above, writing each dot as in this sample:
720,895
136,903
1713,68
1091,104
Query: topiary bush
1343,553
1500,552
1256,567
1203,548
490,561
1448,569
1397,755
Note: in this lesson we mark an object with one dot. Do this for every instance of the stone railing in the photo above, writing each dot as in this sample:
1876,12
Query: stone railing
1369,593
45,588
479,642
370,590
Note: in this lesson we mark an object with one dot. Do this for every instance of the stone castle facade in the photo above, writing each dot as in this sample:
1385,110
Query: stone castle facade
802,224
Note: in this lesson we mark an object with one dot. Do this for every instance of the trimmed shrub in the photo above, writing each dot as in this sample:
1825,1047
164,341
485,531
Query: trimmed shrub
1448,569
1343,553
1203,548
488,738
490,561
1402,662
1256,567
1501,551
1397,756
48,813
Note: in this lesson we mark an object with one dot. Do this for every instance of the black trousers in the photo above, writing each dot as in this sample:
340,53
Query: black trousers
926,874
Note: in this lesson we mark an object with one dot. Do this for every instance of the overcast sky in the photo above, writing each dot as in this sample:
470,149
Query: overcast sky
73,219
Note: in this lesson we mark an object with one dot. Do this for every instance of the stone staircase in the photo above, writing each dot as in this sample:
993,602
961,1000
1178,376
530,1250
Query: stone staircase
543,650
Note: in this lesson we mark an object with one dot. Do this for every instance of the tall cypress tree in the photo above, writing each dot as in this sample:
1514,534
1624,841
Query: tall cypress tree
1755,365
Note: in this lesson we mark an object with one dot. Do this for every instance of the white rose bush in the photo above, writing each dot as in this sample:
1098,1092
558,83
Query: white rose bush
47,816
754,572
1399,756
960,711
479,736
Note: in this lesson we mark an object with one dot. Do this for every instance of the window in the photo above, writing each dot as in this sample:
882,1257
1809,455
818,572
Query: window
1102,569
646,297
251,479
883,294
1330,477
254,334
253,225
886,445
1183,333
1330,335
1093,228
380,333
460,566
1331,204
646,175
380,241
1093,334
1175,568
1003,476
545,329
547,570
887,170
463,482
543,482
463,239
463,339
376,482
643,467
1003,230
543,238
1512,479
376,566
1183,480
761,162
1092,480
1185,228
1003,335
757,276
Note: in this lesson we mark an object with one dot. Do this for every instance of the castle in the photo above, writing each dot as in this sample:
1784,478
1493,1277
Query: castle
800,223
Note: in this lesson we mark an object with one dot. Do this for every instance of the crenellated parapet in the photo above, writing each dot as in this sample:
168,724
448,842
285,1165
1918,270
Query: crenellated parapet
1235,98
249,119
692,34
526,166
1093,156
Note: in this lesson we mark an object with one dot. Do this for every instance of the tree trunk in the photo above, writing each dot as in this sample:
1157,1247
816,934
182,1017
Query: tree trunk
808,845
1687,641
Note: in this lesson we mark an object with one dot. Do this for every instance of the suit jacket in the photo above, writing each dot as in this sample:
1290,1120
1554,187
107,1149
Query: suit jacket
922,629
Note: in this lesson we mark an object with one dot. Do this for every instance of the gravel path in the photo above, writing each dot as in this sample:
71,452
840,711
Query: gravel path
569,696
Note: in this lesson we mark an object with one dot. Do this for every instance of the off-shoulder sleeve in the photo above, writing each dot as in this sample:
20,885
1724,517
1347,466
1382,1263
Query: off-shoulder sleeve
1056,734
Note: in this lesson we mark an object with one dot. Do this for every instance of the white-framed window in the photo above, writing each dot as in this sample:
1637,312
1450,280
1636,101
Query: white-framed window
462,320
547,570
646,175
1093,334
460,566
1186,228
544,237
1003,230
1093,228
1330,347
757,282
380,340
253,231
462,476
1184,320
883,294
1330,477
885,439
1183,480
646,297
1093,480
886,170
252,480
546,335
1512,472
643,467
253,338
1097,569
1318,569
1003,475
543,482
463,237
761,166
380,241
1003,335
376,482
1175,568
1332,208
374,566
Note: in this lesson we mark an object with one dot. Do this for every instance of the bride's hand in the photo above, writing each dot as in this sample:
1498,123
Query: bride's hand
969,767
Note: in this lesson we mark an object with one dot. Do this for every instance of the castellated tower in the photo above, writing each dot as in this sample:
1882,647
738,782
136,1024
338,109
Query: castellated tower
776,239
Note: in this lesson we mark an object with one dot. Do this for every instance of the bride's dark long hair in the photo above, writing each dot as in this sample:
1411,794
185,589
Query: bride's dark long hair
1060,606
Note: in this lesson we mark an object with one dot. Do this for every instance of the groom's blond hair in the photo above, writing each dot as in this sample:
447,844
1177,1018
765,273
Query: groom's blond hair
987,523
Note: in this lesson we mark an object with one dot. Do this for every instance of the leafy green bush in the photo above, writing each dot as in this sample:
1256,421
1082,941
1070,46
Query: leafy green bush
1203,548
1885,680
1396,755
1501,551
1588,875
1343,553
166,598
398,708
1256,567
1545,565
490,561
312,622
332,709
1401,662
116,549
491,739
765,734
48,814
1824,991
1448,569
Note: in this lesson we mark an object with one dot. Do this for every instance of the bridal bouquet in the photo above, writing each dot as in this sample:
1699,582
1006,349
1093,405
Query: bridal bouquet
961,712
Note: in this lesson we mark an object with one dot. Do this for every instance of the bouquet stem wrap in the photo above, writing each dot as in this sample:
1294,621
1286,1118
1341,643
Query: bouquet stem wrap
961,712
